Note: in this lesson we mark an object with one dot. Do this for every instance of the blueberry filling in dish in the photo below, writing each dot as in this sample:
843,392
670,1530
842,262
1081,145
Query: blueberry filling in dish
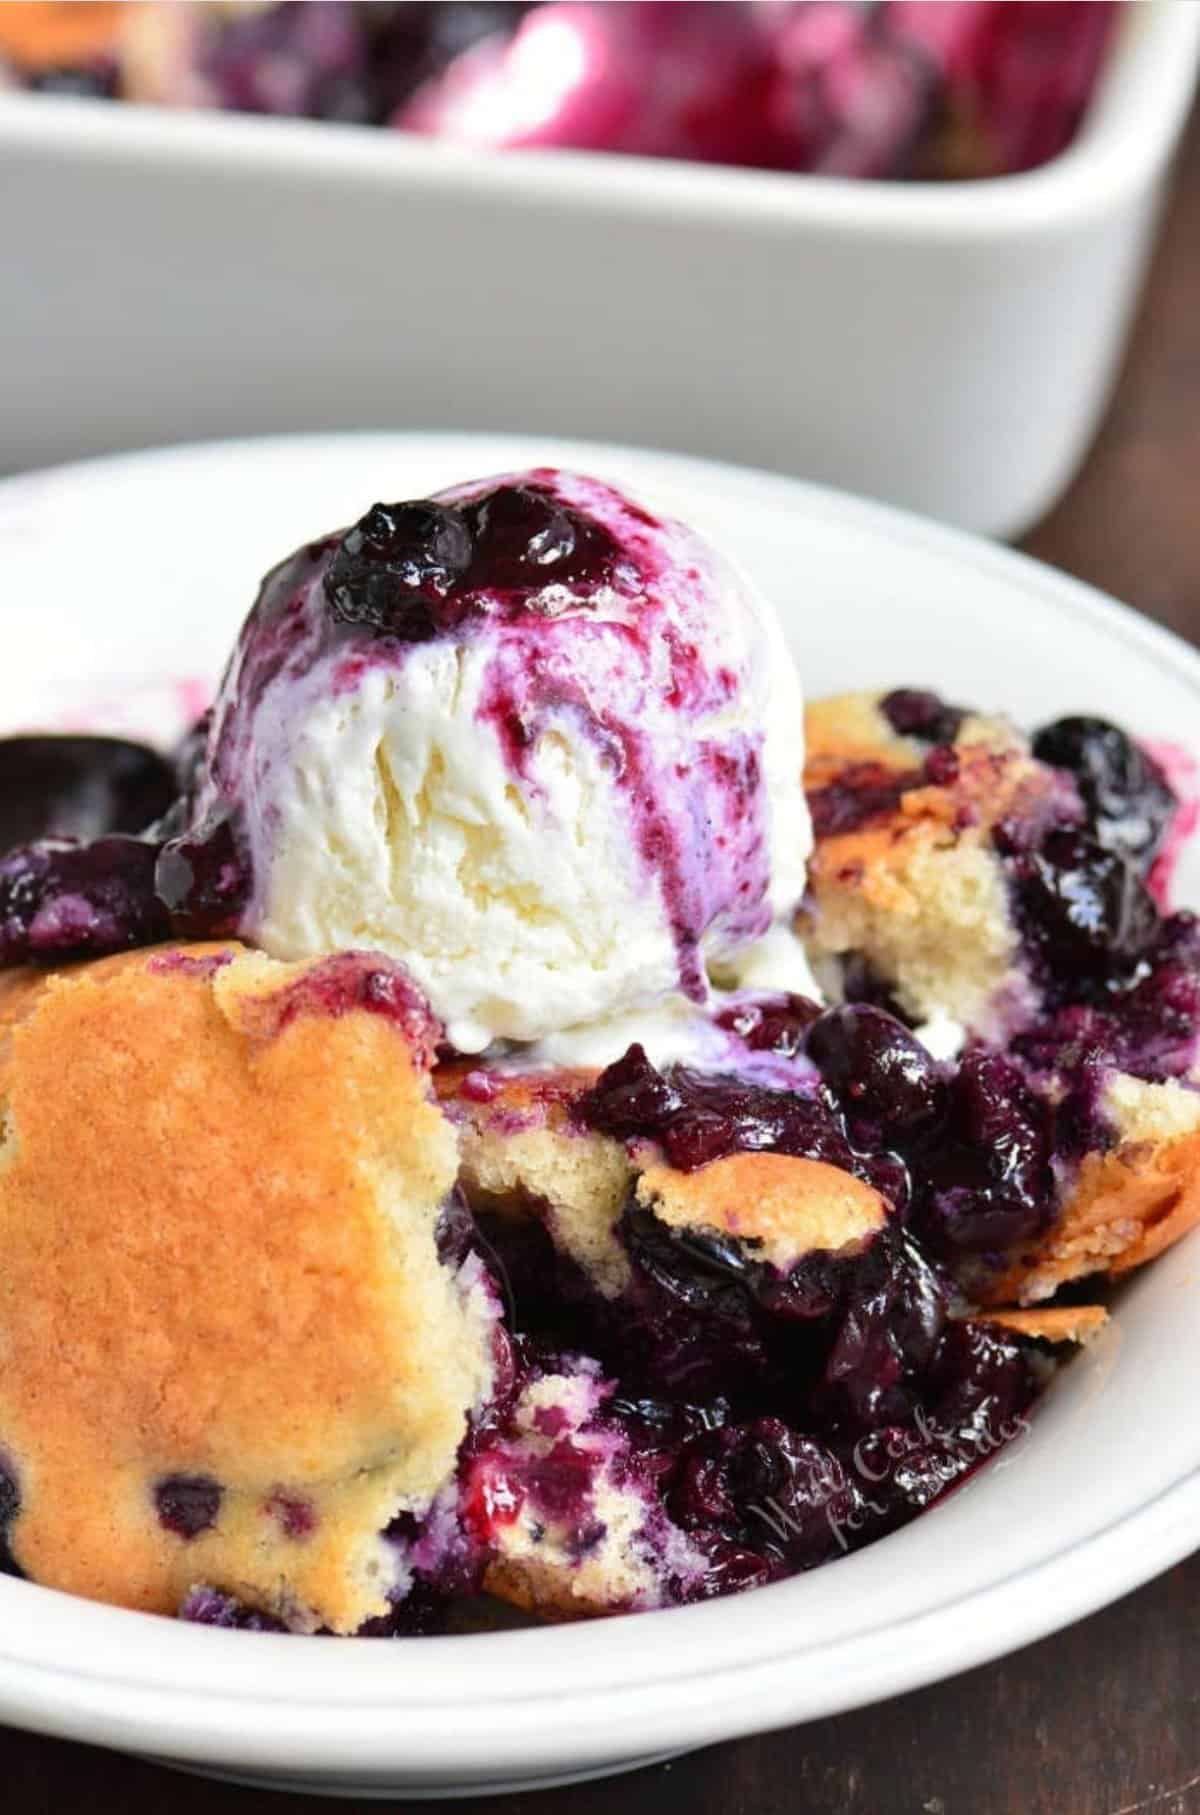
516,1111
891,91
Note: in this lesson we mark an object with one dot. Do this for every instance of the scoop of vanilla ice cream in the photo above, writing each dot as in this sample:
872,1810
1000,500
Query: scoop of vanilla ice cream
543,747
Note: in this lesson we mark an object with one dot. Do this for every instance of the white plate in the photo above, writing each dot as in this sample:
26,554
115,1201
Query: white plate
140,568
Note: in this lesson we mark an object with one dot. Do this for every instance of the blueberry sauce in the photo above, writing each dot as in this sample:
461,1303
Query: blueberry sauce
761,1494
425,569
776,1025
327,60
351,982
61,899
202,879
863,792
188,1504
1127,799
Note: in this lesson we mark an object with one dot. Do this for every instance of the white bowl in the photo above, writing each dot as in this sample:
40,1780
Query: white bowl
141,567
947,347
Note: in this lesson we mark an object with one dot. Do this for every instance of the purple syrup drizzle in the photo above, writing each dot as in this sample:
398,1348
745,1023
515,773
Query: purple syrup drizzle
862,792
351,982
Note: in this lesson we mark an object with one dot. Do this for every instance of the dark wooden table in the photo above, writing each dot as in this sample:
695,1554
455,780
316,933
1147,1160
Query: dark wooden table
1103,1719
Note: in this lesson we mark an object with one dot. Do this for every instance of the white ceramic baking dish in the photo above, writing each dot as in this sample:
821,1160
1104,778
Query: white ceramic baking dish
947,347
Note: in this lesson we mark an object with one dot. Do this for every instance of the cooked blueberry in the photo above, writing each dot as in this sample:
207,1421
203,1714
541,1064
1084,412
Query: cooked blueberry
60,899
777,1025
980,1383
912,712
203,881
695,1265
987,1180
394,569
421,1613
10,1494
522,535
876,1067
665,1420
288,58
940,768
188,1504
1162,1017
1088,906
209,1607
999,1116
79,787
982,1220
327,60
1074,1036
98,82
892,1316
1128,801
630,1097
767,1489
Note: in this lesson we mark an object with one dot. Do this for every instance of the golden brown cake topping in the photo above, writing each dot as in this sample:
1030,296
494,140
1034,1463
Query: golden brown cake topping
228,1350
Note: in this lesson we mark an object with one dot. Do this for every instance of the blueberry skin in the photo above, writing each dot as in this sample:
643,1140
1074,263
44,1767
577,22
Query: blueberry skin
1125,795
79,787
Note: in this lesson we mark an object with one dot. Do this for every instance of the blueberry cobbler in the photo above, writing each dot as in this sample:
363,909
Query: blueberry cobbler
898,89
514,1110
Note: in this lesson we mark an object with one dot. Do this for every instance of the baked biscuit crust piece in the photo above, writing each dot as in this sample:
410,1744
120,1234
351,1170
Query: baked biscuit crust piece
782,1206
58,35
916,889
522,1155
1127,1207
219,1263
1051,1323
1123,1207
